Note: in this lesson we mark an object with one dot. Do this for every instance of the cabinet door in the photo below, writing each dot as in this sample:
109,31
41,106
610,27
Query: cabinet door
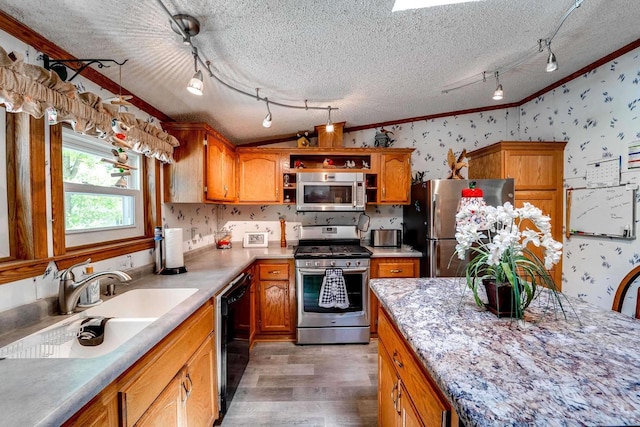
387,390
201,386
166,409
220,171
534,170
408,415
229,174
547,202
258,178
274,307
395,178
101,412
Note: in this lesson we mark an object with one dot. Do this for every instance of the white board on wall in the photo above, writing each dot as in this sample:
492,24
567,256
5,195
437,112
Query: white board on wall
602,212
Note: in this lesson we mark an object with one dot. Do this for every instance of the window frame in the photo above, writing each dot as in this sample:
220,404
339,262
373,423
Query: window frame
99,235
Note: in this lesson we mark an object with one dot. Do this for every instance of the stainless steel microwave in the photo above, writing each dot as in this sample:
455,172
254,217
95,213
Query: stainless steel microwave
330,191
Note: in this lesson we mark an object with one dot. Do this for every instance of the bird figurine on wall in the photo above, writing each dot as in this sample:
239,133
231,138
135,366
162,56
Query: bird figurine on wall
456,165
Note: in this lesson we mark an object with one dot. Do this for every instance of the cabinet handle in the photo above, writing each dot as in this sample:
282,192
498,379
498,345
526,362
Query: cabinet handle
396,271
396,361
384,192
226,190
274,272
189,390
394,396
398,407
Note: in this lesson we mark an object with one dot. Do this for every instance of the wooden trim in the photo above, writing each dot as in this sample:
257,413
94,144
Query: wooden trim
613,55
621,292
57,190
151,195
12,175
38,186
25,34
18,270
102,252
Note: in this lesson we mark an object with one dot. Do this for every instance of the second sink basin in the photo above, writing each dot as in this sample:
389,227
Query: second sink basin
141,303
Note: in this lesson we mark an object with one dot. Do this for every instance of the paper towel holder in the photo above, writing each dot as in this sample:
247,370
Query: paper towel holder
159,259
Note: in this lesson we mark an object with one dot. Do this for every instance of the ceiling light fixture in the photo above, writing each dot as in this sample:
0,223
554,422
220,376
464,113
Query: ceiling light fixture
499,93
196,84
329,126
551,59
187,27
267,119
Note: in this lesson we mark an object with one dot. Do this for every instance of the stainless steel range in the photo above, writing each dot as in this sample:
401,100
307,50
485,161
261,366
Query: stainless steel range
332,286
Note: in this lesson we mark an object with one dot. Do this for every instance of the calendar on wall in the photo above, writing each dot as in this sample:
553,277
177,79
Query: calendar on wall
604,173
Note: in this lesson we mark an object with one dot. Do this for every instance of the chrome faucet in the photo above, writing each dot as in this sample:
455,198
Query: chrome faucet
69,290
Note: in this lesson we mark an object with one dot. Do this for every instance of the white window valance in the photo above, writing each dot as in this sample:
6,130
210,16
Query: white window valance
32,89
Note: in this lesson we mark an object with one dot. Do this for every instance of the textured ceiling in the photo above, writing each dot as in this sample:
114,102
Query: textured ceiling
355,55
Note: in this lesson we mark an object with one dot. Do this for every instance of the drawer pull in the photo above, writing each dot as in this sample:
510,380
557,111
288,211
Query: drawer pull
394,396
399,406
396,361
396,271
274,272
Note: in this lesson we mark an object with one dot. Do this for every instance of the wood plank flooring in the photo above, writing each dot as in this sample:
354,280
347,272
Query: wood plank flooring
312,385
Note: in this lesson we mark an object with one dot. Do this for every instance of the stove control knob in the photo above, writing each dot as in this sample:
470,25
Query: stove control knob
308,263
317,263
333,263
348,263
358,263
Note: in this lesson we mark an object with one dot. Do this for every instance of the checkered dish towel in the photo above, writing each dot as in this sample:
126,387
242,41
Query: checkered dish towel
333,292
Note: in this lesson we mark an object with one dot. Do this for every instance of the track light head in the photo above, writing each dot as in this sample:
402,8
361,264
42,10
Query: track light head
499,93
196,84
552,63
329,126
267,121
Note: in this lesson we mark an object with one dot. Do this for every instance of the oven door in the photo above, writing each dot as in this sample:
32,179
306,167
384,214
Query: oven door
330,196
311,315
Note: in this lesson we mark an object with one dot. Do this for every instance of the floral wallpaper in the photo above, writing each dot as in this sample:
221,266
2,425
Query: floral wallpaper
597,115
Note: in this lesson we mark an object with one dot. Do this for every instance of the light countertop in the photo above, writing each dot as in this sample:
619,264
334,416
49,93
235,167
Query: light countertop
45,392
546,371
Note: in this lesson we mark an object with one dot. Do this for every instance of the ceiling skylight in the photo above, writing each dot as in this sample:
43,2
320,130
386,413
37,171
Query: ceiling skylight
418,4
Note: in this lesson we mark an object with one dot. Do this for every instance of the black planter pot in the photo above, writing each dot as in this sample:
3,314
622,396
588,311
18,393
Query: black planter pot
501,299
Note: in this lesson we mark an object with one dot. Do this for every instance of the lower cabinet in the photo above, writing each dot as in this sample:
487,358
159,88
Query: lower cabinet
275,300
175,383
407,396
383,268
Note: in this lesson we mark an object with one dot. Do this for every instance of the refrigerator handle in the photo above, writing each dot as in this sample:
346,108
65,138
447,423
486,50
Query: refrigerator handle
435,216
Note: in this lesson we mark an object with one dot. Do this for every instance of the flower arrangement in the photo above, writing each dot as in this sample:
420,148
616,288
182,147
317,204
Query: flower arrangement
497,239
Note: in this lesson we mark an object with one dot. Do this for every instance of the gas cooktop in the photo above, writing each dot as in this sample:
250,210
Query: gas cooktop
331,251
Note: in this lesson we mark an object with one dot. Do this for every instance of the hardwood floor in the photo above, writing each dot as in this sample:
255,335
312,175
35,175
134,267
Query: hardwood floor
313,385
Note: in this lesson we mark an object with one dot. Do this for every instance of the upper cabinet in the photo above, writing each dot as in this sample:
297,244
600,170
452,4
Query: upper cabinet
537,170
208,168
259,177
204,170
395,178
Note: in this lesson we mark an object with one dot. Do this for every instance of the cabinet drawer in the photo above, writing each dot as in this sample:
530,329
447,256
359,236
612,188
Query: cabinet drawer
430,404
274,271
396,269
162,363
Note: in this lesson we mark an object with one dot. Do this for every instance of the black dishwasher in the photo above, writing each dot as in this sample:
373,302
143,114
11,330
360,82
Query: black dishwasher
235,313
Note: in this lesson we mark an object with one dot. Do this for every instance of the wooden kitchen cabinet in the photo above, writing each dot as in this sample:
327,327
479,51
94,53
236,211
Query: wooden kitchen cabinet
383,268
537,169
395,178
275,299
175,383
259,178
407,395
204,168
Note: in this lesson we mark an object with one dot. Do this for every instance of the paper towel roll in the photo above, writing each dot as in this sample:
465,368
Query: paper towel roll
173,247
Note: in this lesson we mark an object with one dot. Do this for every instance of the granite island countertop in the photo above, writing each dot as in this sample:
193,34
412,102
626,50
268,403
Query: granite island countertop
46,392
546,371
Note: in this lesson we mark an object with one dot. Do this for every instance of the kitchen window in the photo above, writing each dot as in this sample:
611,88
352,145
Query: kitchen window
98,206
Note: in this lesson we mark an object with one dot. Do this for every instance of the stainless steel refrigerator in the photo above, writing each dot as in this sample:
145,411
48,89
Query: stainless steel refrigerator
429,222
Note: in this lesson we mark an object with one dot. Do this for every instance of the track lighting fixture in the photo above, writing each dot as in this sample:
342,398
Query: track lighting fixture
267,119
196,84
188,27
499,93
329,127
